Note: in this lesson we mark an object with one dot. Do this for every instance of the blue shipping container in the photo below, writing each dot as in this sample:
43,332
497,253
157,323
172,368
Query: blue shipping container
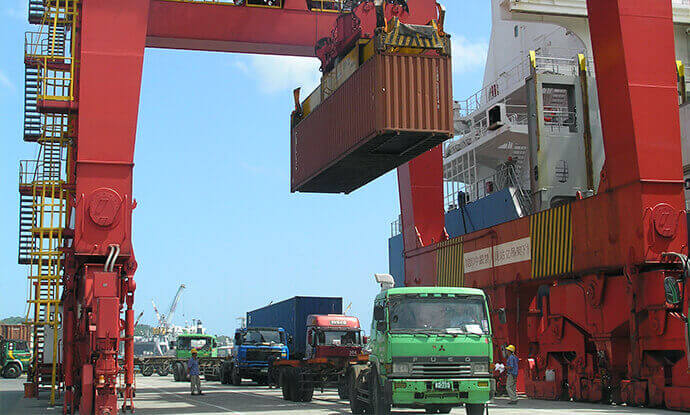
291,315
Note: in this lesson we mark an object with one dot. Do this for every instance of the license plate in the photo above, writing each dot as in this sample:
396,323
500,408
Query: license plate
264,370
443,385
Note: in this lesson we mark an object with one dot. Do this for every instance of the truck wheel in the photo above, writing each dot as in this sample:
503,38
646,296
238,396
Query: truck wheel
343,388
378,400
235,376
474,408
181,372
305,391
356,405
445,409
12,371
284,384
225,374
147,370
162,370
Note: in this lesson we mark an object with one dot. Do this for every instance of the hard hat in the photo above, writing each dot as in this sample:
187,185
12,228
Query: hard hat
194,350
511,348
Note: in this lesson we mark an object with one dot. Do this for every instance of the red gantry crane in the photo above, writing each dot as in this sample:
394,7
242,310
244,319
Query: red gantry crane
586,307
76,199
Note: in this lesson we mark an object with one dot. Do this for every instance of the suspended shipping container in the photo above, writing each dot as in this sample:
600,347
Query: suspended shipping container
393,108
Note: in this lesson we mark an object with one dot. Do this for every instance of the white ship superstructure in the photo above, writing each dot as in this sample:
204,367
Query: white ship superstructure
534,128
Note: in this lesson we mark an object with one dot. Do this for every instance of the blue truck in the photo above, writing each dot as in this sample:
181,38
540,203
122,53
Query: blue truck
255,348
291,315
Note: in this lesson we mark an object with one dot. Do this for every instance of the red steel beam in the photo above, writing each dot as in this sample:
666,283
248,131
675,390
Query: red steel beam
292,30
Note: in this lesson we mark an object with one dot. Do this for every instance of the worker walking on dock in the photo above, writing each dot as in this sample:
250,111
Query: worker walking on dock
511,381
193,367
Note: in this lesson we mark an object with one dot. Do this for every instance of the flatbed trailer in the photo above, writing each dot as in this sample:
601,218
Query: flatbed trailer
299,378
148,365
209,367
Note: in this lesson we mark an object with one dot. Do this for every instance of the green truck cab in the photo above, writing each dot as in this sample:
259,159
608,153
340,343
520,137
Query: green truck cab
15,357
430,348
206,345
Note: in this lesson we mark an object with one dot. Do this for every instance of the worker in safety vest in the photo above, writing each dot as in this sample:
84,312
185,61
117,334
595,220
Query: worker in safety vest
193,367
511,380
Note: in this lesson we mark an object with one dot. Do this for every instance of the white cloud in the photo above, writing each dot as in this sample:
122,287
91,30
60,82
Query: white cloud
468,55
281,73
5,82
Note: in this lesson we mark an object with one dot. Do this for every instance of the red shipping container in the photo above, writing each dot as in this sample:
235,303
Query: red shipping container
15,332
394,108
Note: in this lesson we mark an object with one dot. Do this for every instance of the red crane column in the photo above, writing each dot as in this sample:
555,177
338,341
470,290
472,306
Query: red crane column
633,45
420,184
112,42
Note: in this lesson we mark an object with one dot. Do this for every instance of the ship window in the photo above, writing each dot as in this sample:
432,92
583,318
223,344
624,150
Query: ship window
560,114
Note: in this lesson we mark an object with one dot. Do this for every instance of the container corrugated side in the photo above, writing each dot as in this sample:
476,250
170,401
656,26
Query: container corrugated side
392,109
15,332
291,315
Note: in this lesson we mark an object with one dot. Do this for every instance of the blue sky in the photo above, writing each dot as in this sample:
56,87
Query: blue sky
212,173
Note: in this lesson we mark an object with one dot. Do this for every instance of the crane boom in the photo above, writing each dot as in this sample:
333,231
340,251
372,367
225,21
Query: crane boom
173,306
158,315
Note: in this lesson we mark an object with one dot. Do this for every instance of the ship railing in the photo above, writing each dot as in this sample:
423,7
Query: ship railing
505,177
396,227
557,66
515,76
478,128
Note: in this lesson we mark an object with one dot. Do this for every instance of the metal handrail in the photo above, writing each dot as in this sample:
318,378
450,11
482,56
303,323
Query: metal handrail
506,177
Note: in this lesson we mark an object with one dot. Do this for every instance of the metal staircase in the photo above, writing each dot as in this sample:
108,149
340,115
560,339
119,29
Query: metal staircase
37,9
32,118
44,194
26,223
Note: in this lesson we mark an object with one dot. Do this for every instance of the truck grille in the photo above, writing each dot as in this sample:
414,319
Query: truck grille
441,370
262,355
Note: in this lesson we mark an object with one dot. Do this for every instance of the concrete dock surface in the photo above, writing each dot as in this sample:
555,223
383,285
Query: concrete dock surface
161,395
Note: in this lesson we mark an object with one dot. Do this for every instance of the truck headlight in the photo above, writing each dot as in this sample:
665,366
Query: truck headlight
480,368
402,368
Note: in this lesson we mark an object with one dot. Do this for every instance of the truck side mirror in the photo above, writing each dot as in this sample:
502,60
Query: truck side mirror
379,314
502,316
238,339
672,291
381,326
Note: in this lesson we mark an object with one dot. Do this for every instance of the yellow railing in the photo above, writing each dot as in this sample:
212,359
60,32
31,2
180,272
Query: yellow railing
45,270
326,5
51,50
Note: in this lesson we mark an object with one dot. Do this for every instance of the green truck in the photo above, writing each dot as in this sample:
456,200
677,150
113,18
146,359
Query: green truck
206,346
430,348
207,350
15,357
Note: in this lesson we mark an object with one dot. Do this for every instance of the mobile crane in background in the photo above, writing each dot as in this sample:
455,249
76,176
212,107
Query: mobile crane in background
165,320
77,203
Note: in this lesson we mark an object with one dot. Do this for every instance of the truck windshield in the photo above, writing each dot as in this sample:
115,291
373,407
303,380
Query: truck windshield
340,338
189,343
263,336
466,314
21,346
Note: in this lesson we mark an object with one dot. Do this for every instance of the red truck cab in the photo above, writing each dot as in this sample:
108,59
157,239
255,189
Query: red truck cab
333,336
